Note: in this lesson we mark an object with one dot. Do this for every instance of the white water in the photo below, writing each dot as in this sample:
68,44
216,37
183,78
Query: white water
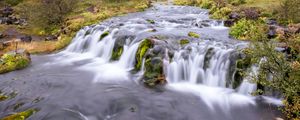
247,87
188,71
193,69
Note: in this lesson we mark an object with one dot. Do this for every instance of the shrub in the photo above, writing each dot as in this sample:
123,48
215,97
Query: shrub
206,4
289,11
47,14
285,76
237,2
10,62
222,13
249,30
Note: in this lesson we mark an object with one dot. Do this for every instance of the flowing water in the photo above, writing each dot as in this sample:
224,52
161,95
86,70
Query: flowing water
84,83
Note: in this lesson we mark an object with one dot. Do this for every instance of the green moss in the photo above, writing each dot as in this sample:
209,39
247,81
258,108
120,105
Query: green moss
3,97
103,35
150,21
193,35
21,115
184,42
143,48
117,53
11,62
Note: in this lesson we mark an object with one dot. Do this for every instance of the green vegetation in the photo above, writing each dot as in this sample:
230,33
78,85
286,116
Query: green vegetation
103,35
153,75
117,53
11,62
11,2
193,35
236,2
184,42
251,25
221,13
21,115
143,48
249,30
288,12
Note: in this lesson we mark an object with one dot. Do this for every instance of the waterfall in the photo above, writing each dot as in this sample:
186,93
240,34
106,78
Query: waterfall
247,87
204,64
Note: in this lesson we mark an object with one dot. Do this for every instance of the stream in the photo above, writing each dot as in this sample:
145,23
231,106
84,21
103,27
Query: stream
83,83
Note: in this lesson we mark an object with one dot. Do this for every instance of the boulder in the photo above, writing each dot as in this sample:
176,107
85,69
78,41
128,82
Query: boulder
229,23
7,11
251,13
294,28
272,32
51,38
234,16
26,38
271,22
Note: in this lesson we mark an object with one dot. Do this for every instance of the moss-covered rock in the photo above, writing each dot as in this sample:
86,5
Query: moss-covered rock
153,75
117,52
242,66
103,35
184,42
21,115
209,54
143,48
3,97
150,21
14,61
193,35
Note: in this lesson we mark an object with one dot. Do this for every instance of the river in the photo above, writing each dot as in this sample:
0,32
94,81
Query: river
83,83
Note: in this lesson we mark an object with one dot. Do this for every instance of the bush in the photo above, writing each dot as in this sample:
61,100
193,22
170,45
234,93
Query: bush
249,30
289,11
221,13
47,14
10,62
285,75
206,4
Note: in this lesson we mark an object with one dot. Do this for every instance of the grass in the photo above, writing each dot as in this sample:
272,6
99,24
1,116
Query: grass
79,18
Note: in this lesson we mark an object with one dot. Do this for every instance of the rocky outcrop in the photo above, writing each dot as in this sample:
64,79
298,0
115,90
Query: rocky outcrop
7,17
26,38
51,38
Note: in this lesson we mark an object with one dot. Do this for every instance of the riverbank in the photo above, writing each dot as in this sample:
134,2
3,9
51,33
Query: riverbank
39,41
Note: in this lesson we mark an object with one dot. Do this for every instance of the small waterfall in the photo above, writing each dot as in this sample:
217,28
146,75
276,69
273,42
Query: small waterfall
128,57
247,87
207,65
